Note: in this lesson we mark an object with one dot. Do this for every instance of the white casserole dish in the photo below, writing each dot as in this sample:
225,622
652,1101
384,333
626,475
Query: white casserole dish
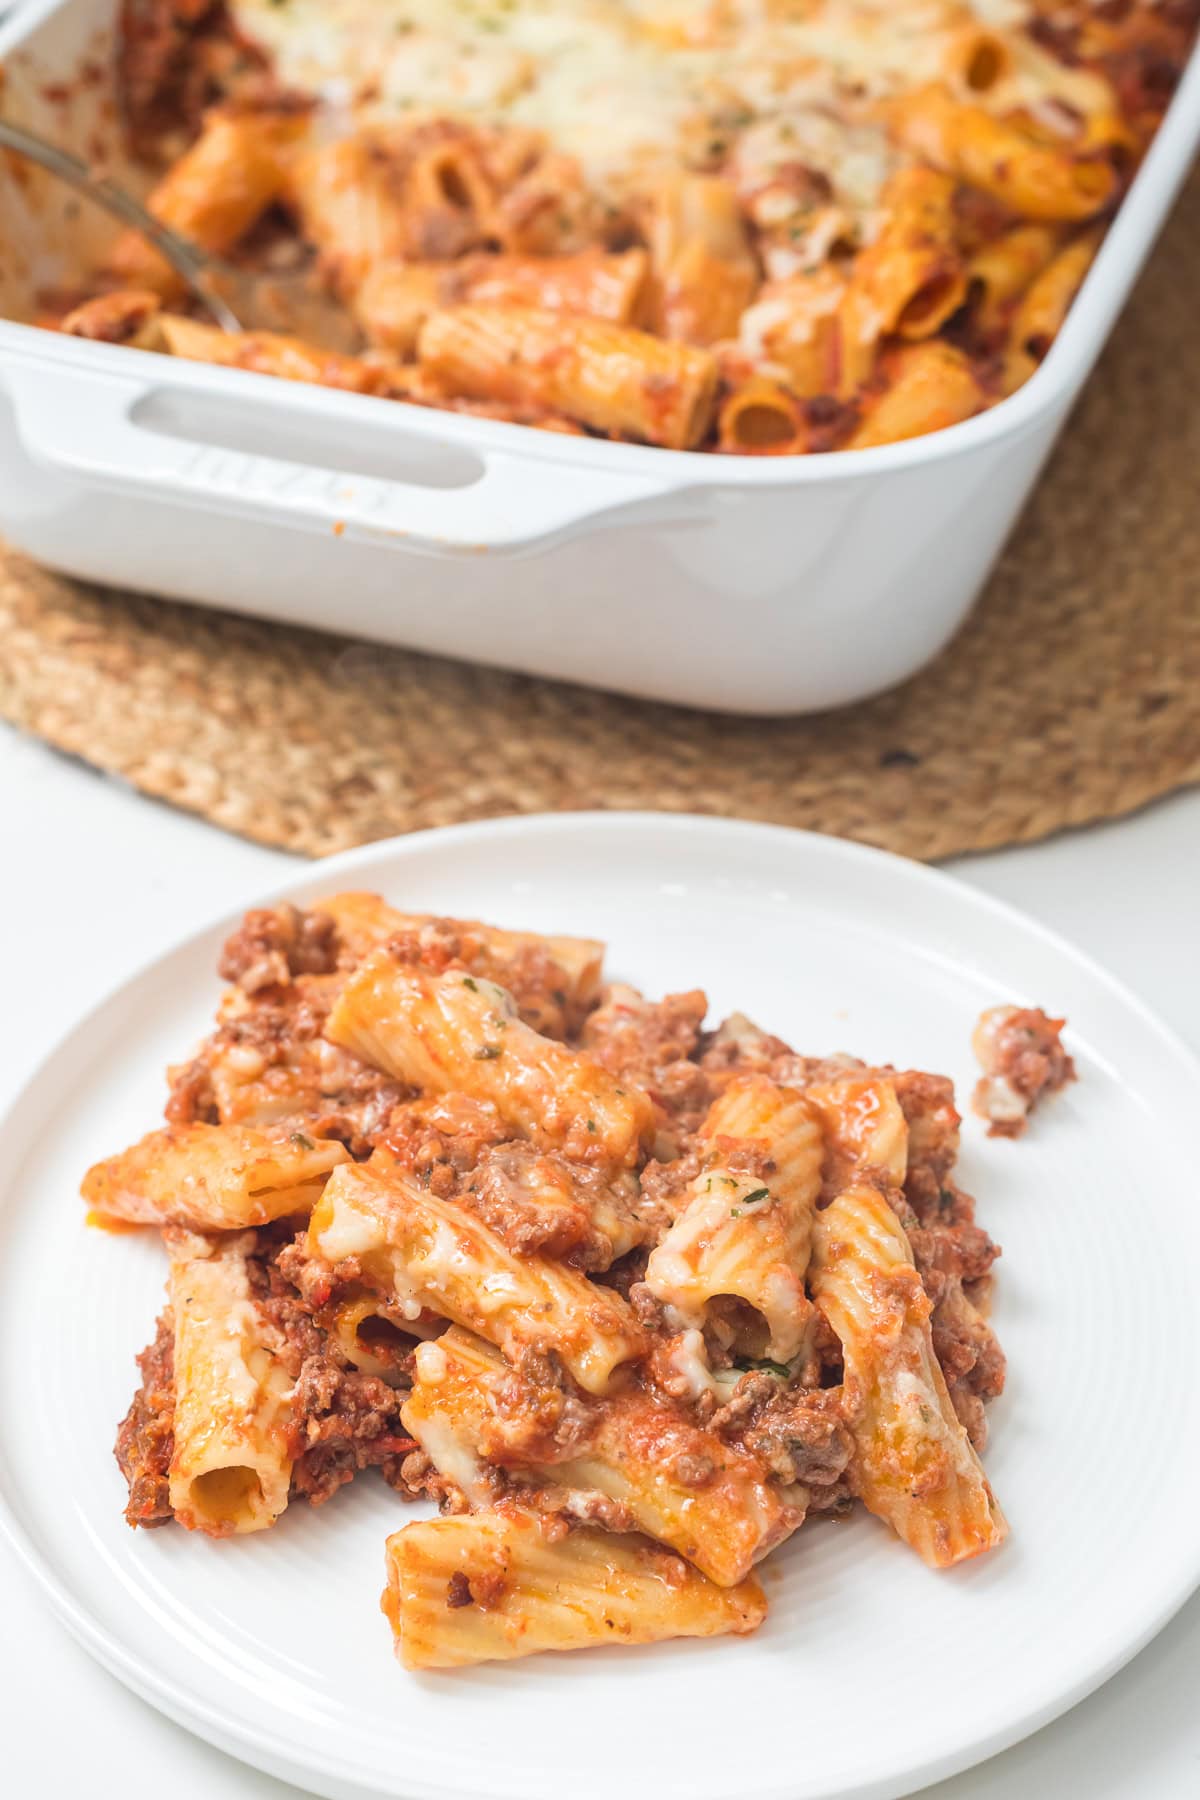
751,585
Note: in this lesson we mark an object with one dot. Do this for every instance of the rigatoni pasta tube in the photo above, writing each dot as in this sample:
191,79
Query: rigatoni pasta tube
929,387
127,316
864,1123
214,193
608,376
704,268
270,353
914,1465
448,199
457,1031
423,1252
487,1587
910,279
761,418
212,1177
977,59
370,1338
603,285
1034,179
1040,315
231,1463
1002,269
394,299
349,196
554,978
796,325
467,1404
745,1237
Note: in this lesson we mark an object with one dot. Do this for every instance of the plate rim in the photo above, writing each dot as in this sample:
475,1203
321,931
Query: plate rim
264,1748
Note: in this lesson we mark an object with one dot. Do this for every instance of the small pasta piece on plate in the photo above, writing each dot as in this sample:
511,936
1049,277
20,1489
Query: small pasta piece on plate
914,1466
460,1032
212,1177
231,1463
743,1236
554,979
487,1587
423,1252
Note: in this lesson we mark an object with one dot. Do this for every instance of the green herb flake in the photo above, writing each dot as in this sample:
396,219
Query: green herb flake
301,1142
591,1124
750,1365
758,1194
487,1053
469,981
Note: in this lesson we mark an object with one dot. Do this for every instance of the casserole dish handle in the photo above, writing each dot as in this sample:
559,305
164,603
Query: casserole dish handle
496,500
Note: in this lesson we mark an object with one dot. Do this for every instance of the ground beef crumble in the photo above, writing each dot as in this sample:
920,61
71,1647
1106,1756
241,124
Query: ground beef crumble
345,1420
801,1434
268,1060
538,984
145,1439
272,944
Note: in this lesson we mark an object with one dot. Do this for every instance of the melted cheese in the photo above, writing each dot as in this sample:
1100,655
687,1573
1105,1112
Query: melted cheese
350,1232
431,1363
449,1454
626,85
689,1360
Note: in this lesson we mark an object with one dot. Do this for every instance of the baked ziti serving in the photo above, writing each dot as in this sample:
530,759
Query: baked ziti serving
752,226
629,1296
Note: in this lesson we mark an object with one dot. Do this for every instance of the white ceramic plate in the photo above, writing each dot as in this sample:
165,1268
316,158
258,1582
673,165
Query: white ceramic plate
872,1674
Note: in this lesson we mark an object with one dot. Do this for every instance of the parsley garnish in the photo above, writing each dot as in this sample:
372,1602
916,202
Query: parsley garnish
758,1194
748,1364
487,1052
470,981
591,1124
301,1142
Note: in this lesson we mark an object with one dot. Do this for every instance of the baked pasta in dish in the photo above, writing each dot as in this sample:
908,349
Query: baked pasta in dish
630,1297
752,226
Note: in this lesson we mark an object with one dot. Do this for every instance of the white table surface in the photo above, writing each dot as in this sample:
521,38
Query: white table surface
96,879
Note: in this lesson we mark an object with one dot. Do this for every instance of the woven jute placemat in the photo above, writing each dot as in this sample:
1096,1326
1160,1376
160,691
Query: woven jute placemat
1073,694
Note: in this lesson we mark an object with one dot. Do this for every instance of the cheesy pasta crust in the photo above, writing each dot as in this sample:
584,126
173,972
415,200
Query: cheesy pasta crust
758,227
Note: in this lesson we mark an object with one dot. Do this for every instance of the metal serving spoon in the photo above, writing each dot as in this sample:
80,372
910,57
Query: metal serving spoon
236,299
